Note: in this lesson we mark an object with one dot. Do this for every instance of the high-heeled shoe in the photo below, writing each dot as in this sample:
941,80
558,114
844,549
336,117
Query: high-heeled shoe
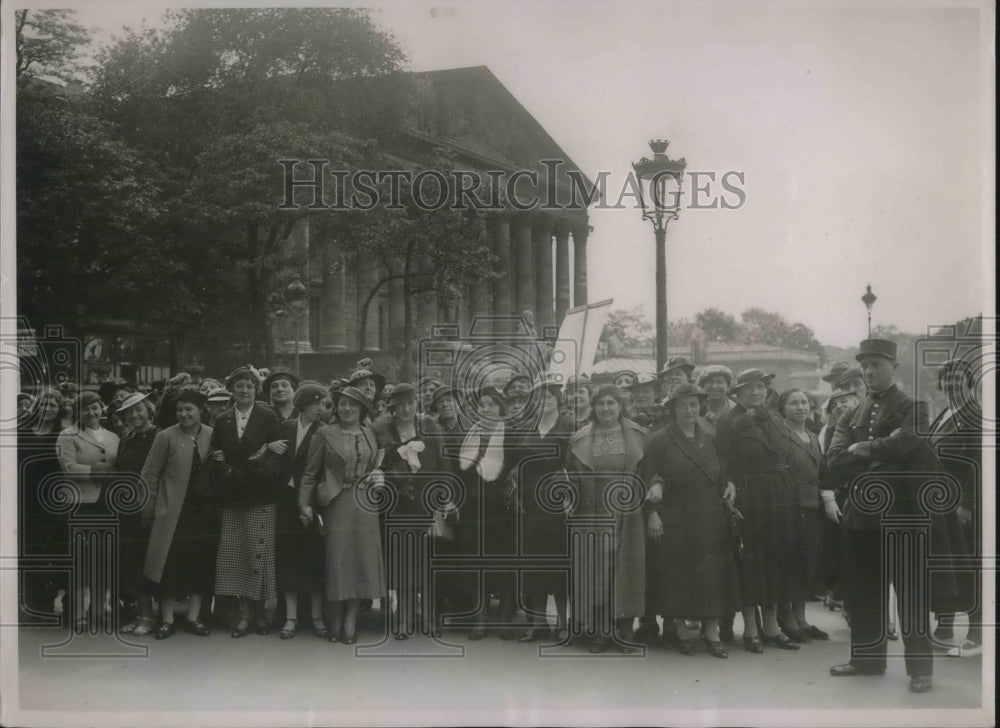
334,636
240,631
350,639
780,641
715,649
753,644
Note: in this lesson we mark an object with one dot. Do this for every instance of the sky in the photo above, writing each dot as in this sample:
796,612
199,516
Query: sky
864,133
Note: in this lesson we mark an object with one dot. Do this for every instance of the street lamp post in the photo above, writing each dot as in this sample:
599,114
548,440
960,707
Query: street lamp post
869,300
295,295
658,172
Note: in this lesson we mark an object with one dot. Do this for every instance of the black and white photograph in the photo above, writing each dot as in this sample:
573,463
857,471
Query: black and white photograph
568,362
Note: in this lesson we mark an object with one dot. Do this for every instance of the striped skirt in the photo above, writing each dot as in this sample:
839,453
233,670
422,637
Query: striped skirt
245,566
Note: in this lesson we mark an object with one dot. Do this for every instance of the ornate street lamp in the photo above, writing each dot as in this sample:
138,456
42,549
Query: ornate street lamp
295,295
661,174
869,300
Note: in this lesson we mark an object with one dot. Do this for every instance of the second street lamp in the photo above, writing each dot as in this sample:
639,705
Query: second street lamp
869,300
661,175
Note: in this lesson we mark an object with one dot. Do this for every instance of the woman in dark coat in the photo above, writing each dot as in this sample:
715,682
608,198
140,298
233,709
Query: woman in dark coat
139,414
299,549
183,537
752,442
245,566
543,449
43,530
342,470
804,458
691,565
412,446
604,462
486,515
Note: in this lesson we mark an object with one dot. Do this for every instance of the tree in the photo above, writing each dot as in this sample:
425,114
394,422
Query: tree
219,96
627,329
48,44
718,325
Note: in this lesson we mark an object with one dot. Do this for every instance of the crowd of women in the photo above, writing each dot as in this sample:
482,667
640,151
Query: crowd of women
713,488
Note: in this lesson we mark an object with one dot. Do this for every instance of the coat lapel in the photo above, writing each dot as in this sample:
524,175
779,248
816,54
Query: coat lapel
685,446
811,452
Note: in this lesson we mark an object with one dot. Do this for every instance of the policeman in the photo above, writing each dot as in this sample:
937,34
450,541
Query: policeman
881,436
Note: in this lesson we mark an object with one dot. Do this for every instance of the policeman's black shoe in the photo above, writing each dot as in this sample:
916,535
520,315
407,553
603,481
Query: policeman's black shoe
921,683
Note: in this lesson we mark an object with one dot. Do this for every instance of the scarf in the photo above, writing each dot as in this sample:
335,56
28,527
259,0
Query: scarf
490,463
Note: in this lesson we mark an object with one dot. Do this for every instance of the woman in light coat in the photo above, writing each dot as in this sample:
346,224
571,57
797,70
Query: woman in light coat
180,558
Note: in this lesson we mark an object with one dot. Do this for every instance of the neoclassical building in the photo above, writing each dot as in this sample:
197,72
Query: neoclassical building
542,252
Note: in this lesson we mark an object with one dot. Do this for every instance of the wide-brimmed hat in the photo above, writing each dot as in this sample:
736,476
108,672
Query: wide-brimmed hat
684,390
131,401
747,376
877,348
360,374
836,371
402,392
220,394
424,381
279,373
643,380
678,362
714,370
308,393
355,394
578,381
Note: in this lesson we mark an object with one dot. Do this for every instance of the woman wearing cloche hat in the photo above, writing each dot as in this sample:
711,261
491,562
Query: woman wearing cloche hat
752,442
691,573
342,466
412,444
298,549
139,414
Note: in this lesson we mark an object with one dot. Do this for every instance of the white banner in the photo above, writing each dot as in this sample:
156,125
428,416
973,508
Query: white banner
574,350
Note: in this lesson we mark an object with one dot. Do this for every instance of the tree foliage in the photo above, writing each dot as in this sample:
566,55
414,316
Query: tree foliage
48,45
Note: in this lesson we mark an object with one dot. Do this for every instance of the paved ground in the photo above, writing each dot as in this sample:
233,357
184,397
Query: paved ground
513,682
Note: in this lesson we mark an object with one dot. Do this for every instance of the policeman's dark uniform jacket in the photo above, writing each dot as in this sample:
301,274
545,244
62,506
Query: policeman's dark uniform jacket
891,422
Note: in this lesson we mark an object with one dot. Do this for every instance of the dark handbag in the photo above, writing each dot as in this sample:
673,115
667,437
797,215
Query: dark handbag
736,531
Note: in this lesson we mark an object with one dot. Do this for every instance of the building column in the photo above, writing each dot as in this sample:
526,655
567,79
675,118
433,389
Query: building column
542,243
500,229
580,233
367,278
562,270
333,301
396,310
524,266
